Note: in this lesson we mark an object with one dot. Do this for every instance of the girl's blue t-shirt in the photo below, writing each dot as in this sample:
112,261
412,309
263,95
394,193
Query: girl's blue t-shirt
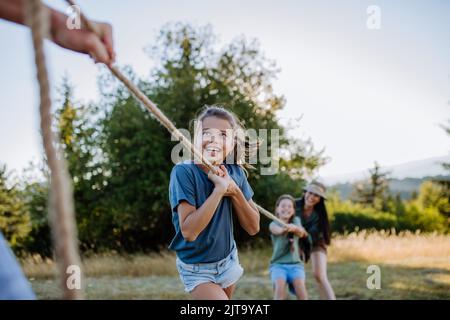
190,183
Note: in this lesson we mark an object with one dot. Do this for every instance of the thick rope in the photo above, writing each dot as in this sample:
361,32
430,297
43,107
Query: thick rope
161,116
61,207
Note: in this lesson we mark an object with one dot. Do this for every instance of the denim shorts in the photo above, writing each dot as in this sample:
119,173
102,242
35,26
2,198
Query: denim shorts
287,272
224,272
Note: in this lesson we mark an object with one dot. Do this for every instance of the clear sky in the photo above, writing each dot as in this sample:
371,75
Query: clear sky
364,94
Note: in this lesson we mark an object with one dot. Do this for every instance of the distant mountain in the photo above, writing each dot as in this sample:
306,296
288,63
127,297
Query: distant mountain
405,187
415,169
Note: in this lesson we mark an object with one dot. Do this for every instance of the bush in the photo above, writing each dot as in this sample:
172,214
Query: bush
346,216
424,219
14,217
366,219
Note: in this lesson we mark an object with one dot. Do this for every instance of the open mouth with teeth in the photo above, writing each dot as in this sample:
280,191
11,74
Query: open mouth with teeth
213,151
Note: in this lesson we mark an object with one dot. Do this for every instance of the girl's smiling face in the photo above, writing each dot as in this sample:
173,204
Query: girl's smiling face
217,139
285,209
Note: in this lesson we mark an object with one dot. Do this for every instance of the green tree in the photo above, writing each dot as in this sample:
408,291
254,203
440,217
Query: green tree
80,139
374,191
395,204
14,218
434,195
35,196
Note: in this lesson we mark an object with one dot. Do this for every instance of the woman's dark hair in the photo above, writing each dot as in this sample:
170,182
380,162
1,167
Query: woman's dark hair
324,224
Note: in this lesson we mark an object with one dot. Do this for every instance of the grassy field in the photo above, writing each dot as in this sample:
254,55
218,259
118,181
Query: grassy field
413,266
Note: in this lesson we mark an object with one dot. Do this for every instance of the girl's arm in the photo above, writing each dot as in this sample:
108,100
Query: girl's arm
193,221
277,230
246,212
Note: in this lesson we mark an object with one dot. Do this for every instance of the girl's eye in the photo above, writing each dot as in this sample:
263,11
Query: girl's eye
206,133
224,134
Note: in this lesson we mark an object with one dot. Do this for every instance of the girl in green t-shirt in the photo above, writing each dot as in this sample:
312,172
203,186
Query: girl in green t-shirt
286,267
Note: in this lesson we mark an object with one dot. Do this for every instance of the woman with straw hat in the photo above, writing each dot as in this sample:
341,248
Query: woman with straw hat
312,212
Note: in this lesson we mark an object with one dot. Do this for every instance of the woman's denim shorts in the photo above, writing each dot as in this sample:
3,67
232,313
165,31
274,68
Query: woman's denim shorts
224,272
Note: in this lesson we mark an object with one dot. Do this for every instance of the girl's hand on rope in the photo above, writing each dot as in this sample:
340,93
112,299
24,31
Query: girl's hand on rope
299,231
284,230
221,181
291,228
233,188
84,41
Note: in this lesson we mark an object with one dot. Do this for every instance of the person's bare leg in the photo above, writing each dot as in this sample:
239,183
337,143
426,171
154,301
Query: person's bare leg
280,290
230,290
319,267
300,289
209,291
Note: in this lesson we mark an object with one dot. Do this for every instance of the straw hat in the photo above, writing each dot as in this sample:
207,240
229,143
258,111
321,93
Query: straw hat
317,188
